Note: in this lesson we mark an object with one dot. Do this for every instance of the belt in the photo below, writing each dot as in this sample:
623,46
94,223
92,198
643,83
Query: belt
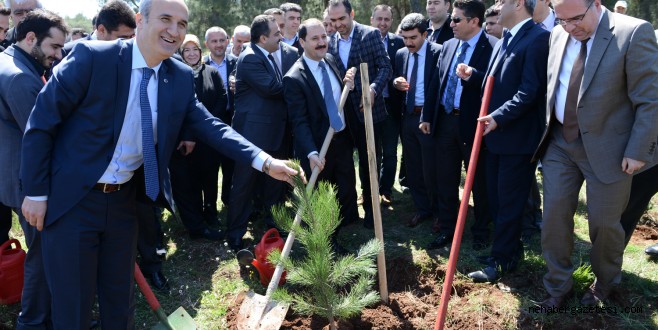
107,187
455,112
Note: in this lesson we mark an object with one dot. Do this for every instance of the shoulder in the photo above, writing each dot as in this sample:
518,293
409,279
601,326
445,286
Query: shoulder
402,52
488,39
288,49
434,47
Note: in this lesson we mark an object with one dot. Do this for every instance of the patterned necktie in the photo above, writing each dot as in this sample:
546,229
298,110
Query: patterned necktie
453,80
279,77
411,92
148,146
570,121
332,109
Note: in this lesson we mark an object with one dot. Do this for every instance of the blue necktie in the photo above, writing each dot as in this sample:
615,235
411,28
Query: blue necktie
332,109
453,80
148,146
411,92
503,48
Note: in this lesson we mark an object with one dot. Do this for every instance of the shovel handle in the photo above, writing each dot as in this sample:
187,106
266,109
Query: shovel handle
278,271
146,289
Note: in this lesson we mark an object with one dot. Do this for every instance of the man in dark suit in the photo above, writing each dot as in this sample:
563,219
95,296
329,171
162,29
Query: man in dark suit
382,19
438,23
261,116
313,108
414,69
84,198
513,128
292,18
450,119
600,133
39,40
352,45
216,40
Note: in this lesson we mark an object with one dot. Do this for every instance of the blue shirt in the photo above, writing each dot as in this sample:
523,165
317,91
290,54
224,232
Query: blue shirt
344,47
420,75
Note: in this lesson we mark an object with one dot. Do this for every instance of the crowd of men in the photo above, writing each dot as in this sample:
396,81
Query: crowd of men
89,145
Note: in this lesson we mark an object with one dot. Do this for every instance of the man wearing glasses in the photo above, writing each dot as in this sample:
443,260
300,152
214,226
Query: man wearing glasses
603,122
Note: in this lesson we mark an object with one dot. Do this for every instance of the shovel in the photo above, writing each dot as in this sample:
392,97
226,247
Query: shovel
260,312
178,320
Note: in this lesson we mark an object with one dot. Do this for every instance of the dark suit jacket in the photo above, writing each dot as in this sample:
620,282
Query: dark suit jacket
289,56
260,111
20,82
470,100
432,51
306,107
444,35
209,89
395,43
519,93
231,60
366,47
73,129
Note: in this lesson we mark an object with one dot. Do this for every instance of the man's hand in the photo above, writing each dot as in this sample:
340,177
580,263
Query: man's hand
629,165
34,212
349,78
186,147
316,162
280,170
464,71
401,84
489,124
424,127
231,83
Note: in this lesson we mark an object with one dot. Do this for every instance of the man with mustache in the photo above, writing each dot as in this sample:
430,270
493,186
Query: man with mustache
39,40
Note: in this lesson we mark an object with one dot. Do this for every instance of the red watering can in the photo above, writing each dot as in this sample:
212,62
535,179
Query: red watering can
11,272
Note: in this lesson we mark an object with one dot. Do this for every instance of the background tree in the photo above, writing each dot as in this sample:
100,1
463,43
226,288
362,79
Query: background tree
79,21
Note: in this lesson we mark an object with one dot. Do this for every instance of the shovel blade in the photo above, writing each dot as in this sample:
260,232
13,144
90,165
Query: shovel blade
178,320
257,313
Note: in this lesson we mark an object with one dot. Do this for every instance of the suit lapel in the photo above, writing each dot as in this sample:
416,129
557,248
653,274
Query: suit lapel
510,48
429,56
165,99
601,41
307,75
124,69
451,49
560,47
353,58
479,49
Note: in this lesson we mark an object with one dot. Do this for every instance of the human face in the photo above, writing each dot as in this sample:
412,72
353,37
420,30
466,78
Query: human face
122,32
292,19
328,26
437,9
541,10
161,34
4,26
216,44
49,49
467,26
492,27
18,11
341,19
506,10
382,20
413,39
620,9
315,44
579,18
271,42
280,21
238,41
191,53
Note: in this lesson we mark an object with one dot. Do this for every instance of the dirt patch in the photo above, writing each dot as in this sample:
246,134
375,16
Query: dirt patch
644,235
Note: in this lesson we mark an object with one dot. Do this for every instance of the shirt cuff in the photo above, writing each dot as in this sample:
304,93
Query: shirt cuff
260,159
312,153
37,198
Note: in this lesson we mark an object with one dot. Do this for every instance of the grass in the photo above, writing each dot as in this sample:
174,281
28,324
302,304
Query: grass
206,278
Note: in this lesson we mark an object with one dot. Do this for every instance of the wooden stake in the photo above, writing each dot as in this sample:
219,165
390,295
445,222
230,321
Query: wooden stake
374,181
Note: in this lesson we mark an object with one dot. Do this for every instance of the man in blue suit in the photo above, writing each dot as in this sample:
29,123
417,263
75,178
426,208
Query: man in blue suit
513,129
100,136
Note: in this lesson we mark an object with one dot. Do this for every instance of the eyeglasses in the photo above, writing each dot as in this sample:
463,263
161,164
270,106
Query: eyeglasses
458,19
576,19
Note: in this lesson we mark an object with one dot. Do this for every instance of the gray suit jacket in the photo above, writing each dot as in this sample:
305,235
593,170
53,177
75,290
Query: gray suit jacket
618,102
19,85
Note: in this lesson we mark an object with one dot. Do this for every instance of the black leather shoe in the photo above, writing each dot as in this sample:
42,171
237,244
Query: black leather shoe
488,274
209,234
652,250
158,281
235,244
440,242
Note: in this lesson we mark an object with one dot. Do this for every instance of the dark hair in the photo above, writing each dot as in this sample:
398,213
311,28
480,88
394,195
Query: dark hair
345,3
93,21
5,11
381,7
260,26
79,31
471,8
288,6
491,11
273,11
303,29
40,22
115,13
414,21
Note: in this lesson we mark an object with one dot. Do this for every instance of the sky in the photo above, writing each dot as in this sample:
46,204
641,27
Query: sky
71,8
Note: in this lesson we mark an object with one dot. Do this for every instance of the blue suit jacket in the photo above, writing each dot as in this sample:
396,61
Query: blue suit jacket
366,47
470,100
74,127
519,93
